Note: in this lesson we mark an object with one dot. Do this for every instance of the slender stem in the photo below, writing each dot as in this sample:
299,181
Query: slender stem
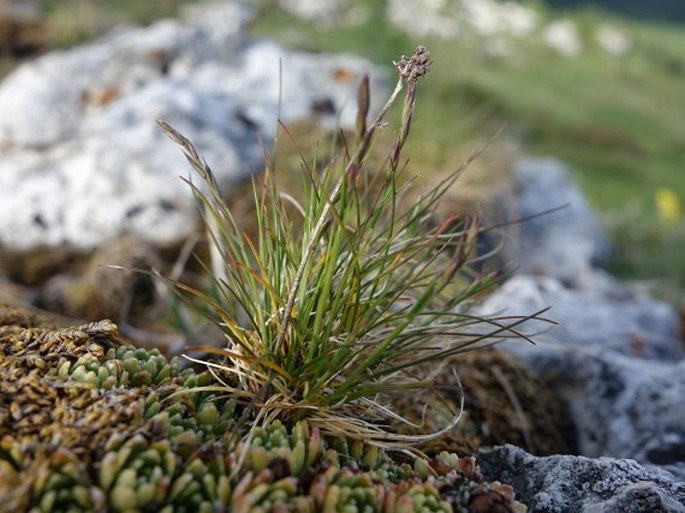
323,218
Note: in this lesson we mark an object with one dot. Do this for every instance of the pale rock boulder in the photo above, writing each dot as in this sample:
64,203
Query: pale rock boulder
451,18
562,35
83,160
553,232
612,40
611,315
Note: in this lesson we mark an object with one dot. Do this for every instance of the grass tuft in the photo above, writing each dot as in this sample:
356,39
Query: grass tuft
330,306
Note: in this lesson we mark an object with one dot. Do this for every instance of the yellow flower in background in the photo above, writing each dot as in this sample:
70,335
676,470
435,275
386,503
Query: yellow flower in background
667,205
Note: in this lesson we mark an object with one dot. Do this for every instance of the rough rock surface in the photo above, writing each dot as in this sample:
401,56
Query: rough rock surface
617,361
609,315
615,353
561,236
82,158
574,484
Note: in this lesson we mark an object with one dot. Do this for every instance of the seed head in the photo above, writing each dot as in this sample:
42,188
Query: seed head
418,65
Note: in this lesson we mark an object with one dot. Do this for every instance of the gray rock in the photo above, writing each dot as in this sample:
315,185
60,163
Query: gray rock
44,101
451,18
575,484
615,357
560,236
322,11
610,315
621,406
83,160
326,12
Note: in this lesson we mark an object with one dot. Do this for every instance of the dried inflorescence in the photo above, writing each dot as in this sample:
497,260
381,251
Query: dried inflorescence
416,66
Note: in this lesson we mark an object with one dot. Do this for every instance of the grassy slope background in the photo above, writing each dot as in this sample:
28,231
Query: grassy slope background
617,121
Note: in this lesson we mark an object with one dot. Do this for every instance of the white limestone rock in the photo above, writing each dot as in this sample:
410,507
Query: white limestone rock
449,18
82,158
562,36
613,41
